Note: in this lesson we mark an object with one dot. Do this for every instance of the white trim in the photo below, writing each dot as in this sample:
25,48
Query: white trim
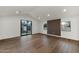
60,36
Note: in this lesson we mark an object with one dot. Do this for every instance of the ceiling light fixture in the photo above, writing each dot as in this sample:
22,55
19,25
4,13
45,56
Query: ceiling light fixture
38,17
64,10
48,15
17,12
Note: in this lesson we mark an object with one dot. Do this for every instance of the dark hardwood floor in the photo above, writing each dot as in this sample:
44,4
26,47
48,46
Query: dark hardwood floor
39,43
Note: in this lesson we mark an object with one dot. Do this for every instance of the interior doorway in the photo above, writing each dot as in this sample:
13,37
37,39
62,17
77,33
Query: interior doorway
26,27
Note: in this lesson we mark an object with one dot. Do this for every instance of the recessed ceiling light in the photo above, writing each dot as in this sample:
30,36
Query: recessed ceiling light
38,17
64,10
48,15
17,12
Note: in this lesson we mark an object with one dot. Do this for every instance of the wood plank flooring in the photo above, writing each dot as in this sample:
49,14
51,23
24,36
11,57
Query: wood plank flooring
39,43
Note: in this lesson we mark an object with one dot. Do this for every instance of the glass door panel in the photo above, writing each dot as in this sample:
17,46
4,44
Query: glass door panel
26,27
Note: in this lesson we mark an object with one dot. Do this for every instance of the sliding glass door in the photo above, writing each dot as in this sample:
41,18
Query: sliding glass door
26,27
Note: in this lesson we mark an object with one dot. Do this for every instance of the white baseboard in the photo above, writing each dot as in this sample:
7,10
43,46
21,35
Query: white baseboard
60,37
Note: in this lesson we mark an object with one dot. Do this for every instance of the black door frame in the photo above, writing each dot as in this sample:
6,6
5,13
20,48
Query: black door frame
21,27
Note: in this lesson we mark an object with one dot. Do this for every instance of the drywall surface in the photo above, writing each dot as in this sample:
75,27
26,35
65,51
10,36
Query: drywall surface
10,26
74,33
42,28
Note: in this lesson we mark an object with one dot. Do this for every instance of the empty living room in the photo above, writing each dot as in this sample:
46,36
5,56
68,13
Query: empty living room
39,29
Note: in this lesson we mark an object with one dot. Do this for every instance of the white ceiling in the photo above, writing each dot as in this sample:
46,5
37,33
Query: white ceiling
41,11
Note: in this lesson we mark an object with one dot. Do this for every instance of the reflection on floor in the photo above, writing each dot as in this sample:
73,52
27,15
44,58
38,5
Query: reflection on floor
39,44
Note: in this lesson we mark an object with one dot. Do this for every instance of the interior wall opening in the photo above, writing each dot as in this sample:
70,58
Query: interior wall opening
26,27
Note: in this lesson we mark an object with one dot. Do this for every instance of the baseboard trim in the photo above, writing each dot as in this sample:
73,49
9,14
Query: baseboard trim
17,37
42,34
59,36
11,38
36,33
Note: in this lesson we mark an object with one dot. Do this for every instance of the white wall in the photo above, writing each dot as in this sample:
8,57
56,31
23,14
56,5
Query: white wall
42,29
74,34
10,26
